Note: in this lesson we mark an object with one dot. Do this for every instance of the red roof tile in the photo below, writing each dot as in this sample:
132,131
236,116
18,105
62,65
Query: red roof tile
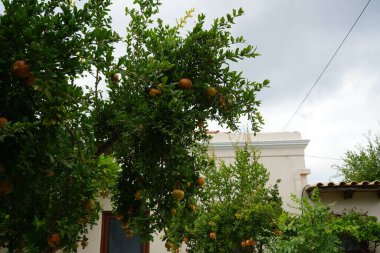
365,185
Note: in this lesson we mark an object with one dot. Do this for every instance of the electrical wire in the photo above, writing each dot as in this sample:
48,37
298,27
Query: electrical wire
322,157
323,71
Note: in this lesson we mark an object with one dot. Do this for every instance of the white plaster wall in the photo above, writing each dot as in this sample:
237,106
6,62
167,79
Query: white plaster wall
367,201
363,201
284,160
94,235
281,153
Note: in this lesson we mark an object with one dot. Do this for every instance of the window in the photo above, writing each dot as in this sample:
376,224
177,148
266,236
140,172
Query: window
114,239
351,245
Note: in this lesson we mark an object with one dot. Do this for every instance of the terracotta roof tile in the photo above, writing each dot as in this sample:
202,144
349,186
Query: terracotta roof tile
341,185
213,131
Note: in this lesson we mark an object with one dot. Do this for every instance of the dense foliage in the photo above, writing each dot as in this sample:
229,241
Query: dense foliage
308,231
357,225
363,164
171,86
315,228
237,211
49,176
59,140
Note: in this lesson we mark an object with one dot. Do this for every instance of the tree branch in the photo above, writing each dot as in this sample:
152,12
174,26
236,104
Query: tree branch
108,143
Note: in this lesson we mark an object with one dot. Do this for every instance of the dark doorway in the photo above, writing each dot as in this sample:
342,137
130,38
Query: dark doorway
114,239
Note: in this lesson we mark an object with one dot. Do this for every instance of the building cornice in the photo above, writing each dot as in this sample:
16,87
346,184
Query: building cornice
224,145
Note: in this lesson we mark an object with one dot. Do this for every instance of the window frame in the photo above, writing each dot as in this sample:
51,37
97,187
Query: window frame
106,216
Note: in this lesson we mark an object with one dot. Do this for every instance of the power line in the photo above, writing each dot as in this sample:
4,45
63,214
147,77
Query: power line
326,158
328,64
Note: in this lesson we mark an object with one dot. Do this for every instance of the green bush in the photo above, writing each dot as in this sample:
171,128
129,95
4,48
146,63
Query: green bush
314,228
237,210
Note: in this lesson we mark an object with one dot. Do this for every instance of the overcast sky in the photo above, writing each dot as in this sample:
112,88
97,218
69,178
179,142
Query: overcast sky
296,39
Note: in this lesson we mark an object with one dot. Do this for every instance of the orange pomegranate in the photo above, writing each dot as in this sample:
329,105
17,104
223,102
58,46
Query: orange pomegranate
21,69
211,92
201,181
185,83
154,92
89,205
3,122
53,240
6,187
178,194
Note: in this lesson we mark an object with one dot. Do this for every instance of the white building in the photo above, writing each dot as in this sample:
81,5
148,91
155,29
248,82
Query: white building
281,153
364,196
345,196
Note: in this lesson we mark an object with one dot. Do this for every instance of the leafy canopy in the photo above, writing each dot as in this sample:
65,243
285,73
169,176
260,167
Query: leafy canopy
50,175
171,85
309,230
64,145
362,164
